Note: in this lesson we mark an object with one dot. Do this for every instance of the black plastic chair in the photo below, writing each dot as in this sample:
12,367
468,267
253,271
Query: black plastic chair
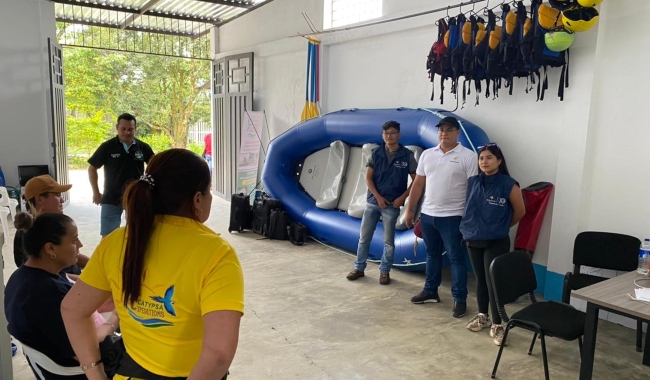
513,276
603,250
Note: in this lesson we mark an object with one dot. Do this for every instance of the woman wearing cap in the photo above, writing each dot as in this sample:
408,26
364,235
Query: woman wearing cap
43,195
494,204
177,285
34,292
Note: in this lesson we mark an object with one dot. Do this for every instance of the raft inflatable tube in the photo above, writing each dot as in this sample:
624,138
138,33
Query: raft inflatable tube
317,170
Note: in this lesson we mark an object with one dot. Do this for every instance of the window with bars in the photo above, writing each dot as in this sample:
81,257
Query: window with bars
339,13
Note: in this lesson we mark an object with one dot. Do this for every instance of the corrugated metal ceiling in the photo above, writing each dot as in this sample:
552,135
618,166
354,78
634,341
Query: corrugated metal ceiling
191,18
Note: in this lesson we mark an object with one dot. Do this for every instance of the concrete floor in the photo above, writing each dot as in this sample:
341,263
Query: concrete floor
304,320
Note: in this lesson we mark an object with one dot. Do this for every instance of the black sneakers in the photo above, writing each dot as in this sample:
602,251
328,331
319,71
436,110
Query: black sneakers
425,297
460,308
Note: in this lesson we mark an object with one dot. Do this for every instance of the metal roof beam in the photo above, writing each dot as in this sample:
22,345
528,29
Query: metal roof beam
231,3
117,26
129,20
249,10
207,20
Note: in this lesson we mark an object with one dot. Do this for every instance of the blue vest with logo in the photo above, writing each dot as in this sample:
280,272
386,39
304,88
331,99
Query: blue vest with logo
488,211
390,178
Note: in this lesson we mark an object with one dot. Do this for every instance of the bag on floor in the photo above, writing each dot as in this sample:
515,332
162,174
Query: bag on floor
258,216
268,205
298,233
240,213
278,223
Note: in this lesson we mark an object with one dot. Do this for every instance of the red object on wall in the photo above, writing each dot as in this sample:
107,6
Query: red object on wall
536,198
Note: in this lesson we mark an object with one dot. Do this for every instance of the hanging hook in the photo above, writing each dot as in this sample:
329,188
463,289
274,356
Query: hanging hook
447,11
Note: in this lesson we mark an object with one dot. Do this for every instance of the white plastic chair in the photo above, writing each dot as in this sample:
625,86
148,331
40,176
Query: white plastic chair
10,203
38,360
5,225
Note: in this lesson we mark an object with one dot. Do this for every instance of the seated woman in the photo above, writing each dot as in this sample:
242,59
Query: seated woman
43,195
34,292
177,285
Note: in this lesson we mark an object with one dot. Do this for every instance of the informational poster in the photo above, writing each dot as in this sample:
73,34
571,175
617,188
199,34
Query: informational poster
249,152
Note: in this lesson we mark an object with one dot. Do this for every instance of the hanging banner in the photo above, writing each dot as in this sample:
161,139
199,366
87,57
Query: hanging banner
249,152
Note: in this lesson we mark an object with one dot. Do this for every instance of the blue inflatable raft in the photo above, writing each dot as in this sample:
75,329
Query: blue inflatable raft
317,170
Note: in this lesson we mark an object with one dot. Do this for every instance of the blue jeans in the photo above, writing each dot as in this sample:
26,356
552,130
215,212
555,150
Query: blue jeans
371,215
208,158
442,234
110,219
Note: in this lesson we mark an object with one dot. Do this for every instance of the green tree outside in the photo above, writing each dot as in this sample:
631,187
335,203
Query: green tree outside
165,94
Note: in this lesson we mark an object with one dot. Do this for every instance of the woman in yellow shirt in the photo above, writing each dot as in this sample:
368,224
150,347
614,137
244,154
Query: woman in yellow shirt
177,285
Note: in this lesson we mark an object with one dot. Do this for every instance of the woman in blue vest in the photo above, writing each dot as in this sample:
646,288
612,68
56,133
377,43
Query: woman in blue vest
494,204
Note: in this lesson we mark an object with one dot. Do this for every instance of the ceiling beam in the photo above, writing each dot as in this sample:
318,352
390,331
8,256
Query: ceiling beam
231,3
117,26
243,13
207,20
129,20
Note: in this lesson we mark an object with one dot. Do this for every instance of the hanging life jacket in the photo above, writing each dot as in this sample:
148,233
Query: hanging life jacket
437,54
471,69
497,70
457,53
544,57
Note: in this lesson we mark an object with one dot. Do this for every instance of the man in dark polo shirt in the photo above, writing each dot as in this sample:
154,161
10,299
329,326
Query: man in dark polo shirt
123,158
387,173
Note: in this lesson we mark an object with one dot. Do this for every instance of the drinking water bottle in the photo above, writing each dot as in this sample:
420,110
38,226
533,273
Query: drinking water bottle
644,257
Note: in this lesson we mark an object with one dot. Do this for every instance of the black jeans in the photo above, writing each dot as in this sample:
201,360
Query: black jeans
481,254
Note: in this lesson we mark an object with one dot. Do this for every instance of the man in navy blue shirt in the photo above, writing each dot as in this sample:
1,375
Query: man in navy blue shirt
387,174
123,158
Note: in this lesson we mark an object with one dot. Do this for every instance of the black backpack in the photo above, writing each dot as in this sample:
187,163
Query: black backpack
298,233
278,223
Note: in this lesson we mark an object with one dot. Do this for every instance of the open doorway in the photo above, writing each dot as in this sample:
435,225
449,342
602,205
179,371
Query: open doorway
167,89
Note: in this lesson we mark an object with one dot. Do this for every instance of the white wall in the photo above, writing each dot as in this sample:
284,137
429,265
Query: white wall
25,129
616,183
582,145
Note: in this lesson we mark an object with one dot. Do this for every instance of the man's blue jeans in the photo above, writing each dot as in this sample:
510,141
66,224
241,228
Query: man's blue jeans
443,234
111,217
371,215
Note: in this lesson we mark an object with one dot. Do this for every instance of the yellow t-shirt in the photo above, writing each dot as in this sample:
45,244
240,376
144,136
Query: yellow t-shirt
189,272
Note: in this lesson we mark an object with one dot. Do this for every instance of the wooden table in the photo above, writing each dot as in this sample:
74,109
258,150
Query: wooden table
610,295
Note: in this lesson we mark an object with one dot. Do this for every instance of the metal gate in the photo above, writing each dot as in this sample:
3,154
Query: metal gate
232,94
59,143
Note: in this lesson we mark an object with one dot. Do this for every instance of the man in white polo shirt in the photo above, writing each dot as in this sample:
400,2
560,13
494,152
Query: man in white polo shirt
445,170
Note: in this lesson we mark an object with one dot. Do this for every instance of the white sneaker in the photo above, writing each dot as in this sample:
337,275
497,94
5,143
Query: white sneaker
479,322
496,332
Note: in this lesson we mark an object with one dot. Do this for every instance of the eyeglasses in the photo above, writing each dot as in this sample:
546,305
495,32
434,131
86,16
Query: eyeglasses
447,130
480,148
390,133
